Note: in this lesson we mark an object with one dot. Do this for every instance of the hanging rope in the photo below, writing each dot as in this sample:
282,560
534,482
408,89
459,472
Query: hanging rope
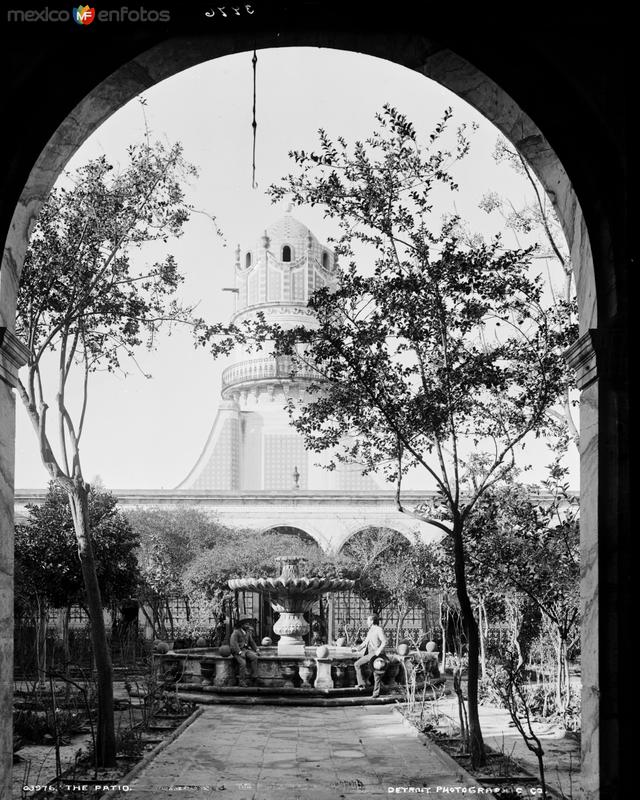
254,124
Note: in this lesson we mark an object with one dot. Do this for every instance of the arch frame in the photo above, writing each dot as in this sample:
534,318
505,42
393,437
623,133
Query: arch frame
600,356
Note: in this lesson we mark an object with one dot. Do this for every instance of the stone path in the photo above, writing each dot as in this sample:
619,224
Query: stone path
267,753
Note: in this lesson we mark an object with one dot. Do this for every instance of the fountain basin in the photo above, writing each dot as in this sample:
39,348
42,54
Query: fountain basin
291,595
205,669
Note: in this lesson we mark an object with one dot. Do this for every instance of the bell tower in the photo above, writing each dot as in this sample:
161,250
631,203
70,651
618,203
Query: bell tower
252,445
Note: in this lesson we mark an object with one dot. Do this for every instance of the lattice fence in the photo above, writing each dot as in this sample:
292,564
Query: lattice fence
350,613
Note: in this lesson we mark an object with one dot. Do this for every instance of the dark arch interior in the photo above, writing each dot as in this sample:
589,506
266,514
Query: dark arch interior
550,72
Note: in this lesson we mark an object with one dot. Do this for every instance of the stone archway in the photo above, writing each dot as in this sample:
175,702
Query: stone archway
312,533
306,537
399,526
604,402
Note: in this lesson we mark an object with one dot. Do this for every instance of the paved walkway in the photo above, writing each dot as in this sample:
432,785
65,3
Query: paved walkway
270,753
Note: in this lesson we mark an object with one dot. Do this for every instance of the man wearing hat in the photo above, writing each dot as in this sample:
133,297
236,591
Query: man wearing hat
244,649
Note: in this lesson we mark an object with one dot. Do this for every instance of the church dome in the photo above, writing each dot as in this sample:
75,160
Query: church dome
282,269
286,232
288,227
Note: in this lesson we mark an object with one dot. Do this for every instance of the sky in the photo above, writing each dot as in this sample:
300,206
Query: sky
146,433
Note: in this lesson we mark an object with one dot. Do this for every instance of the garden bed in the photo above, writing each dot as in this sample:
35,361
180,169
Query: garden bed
511,769
501,771
40,772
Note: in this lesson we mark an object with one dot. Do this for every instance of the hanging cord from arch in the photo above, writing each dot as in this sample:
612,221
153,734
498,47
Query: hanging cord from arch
254,124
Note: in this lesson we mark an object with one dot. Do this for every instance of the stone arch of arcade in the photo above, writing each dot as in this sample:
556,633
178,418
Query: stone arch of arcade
546,75
331,526
310,534
407,528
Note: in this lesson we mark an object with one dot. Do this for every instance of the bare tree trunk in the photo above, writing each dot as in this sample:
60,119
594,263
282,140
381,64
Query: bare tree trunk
159,628
187,607
558,671
443,627
515,616
41,640
105,736
170,617
401,618
567,699
152,622
562,676
66,650
476,742
462,714
481,629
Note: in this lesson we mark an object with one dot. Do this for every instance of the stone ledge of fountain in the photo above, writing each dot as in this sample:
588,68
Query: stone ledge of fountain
271,653
206,672
275,691
292,700
263,652
291,666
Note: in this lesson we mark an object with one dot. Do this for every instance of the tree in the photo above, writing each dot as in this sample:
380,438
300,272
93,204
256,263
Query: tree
46,552
169,541
241,553
245,553
409,579
83,306
436,351
538,216
532,545
390,571
188,554
371,555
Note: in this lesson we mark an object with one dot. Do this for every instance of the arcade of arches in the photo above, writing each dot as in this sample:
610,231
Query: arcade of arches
556,92
331,615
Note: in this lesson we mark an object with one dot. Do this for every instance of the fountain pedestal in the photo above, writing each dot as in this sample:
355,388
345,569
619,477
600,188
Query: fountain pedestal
291,627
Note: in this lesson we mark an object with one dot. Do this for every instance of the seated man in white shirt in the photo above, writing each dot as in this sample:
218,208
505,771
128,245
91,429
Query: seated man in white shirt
372,647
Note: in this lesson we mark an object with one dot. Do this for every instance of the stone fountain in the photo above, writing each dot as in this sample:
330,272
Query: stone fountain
291,594
312,674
